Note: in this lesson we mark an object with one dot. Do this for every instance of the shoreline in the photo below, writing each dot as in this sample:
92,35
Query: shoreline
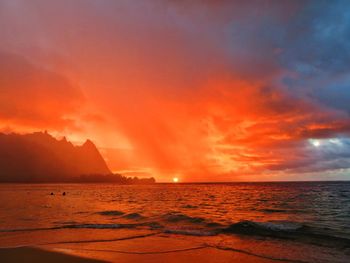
35,254
128,246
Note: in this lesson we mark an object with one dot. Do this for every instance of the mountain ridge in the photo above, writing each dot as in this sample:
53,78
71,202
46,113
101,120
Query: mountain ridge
39,157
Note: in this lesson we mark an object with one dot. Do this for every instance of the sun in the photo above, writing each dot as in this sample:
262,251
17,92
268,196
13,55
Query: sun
315,143
175,179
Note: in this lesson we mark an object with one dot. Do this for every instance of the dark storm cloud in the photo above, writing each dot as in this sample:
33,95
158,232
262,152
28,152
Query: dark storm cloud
317,50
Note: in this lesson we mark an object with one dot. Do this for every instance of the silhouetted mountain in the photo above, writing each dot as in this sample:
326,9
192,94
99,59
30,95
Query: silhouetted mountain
39,157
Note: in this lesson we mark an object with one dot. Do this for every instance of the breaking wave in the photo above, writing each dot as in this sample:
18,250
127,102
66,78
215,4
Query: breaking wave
182,224
251,227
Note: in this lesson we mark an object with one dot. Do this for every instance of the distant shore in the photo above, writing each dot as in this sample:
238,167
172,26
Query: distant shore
89,178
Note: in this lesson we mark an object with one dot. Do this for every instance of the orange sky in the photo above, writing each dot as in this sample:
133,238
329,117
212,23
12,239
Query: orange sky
202,92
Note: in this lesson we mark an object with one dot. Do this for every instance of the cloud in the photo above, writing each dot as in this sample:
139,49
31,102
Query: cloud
31,96
225,89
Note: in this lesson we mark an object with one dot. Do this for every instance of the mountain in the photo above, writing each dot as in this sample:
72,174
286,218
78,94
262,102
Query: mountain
39,157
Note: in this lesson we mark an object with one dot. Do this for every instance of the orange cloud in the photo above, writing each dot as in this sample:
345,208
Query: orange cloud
205,91
33,97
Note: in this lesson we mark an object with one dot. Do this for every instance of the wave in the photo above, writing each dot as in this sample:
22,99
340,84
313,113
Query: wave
247,227
98,226
171,217
28,229
134,216
178,217
273,210
287,230
191,232
182,224
111,213
101,240
189,206
151,225
270,210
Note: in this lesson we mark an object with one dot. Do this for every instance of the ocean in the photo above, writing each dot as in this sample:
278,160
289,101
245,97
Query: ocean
279,221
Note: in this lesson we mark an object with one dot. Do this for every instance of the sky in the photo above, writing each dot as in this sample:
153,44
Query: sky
198,90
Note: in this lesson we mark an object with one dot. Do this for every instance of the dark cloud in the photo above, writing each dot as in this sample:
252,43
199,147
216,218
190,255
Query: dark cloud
316,49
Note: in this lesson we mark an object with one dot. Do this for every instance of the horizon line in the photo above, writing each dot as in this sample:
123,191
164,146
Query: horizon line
204,182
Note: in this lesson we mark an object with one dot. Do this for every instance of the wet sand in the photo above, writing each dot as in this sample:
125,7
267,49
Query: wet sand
163,253
114,246
143,246
32,254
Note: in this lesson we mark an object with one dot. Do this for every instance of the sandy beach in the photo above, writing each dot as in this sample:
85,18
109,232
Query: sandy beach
32,254
123,245
144,246
142,251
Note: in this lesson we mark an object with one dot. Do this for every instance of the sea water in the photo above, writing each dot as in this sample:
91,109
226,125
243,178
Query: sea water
299,214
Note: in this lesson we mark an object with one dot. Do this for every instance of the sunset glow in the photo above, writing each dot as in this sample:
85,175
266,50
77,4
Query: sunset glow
214,92
175,131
